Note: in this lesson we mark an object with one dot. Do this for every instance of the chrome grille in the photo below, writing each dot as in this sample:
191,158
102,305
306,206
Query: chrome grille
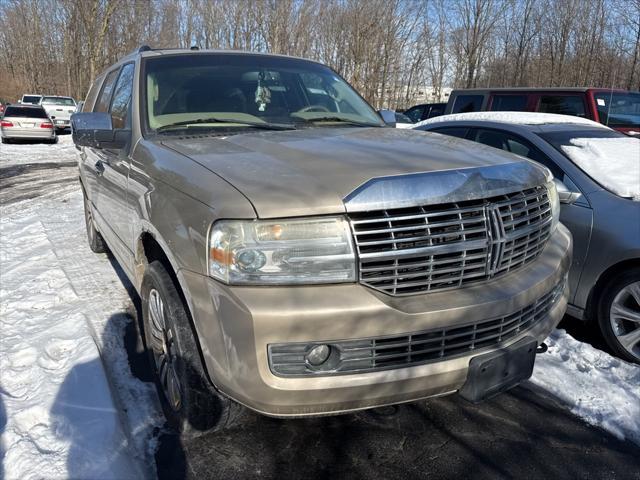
414,348
426,248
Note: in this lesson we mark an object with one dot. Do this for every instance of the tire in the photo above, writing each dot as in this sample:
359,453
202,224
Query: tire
192,406
5,140
95,240
619,315
53,141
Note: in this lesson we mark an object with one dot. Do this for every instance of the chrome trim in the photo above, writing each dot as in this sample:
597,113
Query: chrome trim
446,186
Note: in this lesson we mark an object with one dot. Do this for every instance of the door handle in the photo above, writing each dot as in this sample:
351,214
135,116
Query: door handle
100,167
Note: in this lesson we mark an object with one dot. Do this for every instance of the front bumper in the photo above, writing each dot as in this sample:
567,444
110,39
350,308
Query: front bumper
236,325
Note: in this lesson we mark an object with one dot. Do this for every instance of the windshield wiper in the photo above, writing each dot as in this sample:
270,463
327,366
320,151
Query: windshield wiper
263,125
334,118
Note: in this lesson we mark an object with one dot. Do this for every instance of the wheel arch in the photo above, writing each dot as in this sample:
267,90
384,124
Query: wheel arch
603,280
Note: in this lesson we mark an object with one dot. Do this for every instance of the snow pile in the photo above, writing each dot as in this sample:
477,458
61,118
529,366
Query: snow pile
521,118
612,162
60,306
603,390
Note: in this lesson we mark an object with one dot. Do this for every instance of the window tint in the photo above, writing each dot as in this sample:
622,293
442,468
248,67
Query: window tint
415,113
31,99
460,132
105,96
436,110
122,97
517,145
509,103
25,112
467,103
562,104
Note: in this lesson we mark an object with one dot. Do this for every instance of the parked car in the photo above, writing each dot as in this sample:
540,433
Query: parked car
598,175
296,256
2,107
26,122
618,109
31,98
59,110
424,111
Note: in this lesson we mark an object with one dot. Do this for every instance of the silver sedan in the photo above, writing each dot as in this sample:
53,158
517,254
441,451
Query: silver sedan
27,122
597,172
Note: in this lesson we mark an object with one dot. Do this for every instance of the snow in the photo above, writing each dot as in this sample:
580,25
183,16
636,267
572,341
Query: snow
522,118
613,162
66,411
603,390
69,406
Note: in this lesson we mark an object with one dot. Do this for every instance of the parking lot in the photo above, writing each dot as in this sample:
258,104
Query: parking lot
531,430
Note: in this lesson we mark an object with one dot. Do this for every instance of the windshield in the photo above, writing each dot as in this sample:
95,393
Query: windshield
59,101
618,109
610,158
31,99
239,90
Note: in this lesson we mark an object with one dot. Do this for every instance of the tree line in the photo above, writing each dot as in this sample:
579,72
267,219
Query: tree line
388,49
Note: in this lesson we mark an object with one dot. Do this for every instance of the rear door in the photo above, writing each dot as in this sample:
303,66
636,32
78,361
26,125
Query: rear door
112,196
562,103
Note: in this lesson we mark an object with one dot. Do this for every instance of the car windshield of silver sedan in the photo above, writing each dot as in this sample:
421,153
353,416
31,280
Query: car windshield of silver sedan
25,112
228,91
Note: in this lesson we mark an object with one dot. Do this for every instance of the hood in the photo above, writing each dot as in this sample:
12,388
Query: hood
328,170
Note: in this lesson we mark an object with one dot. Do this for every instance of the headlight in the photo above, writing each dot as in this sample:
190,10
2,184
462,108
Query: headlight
555,204
283,252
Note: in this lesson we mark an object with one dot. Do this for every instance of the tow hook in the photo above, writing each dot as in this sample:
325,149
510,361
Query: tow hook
542,348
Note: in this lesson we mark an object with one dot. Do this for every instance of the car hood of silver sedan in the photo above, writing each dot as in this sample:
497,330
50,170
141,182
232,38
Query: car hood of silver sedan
334,170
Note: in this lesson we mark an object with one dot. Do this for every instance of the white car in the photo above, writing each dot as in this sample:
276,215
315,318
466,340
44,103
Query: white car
30,99
26,122
60,110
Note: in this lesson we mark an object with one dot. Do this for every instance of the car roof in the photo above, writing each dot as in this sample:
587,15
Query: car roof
532,89
511,118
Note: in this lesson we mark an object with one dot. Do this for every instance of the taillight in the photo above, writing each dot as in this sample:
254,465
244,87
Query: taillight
5,123
46,125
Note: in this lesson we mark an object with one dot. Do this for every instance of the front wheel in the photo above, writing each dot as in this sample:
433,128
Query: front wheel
96,242
619,315
191,405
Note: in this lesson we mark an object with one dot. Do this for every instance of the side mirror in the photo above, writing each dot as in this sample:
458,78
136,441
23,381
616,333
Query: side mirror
565,195
388,116
95,130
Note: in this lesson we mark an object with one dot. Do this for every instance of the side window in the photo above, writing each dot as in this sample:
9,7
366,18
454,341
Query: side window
508,103
102,105
562,104
415,113
122,97
92,95
460,132
467,103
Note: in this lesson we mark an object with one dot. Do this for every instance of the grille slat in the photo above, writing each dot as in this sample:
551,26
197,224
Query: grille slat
417,348
425,248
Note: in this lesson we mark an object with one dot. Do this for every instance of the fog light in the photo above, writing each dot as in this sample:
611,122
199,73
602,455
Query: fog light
318,355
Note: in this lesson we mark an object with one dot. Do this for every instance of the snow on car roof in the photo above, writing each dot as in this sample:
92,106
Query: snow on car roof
520,118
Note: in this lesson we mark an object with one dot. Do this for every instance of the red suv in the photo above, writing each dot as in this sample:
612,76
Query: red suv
618,109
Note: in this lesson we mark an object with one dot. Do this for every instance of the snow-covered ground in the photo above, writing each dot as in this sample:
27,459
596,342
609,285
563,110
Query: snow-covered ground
69,406
70,412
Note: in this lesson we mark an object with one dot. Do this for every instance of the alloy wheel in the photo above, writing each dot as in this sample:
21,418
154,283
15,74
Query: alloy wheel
163,347
625,318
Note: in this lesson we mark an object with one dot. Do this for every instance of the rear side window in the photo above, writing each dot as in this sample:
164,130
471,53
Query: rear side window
102,104
25,112
460,132
122,97
467,103
562,104
436,111
509,103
